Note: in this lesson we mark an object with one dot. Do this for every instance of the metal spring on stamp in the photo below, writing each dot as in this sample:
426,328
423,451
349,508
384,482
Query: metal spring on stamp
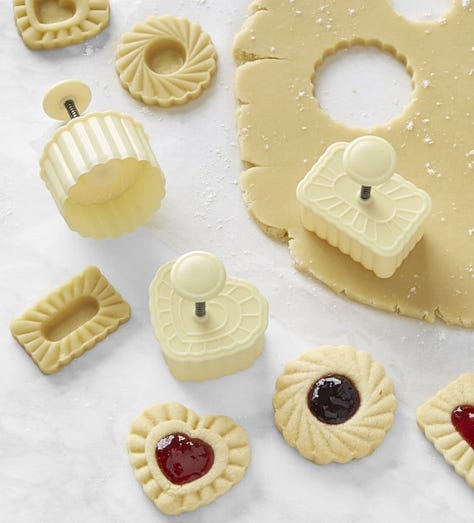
71,109
200,309
365,191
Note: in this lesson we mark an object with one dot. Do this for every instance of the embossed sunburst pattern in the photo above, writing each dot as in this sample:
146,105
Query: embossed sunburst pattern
357,437
165,61
435,419
49,24
228,440
70,320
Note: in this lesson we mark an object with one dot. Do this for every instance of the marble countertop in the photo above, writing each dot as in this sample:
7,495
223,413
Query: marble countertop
62,437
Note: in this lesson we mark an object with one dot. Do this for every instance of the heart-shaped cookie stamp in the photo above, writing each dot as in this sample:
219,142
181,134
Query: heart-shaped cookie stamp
184,461
227,339
462,418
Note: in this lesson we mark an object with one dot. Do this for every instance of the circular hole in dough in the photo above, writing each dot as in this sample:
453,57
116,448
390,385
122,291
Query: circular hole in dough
363,86
165,56
423,10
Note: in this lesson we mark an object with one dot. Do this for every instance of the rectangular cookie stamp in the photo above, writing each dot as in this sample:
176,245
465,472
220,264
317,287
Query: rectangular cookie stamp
70,320
335,201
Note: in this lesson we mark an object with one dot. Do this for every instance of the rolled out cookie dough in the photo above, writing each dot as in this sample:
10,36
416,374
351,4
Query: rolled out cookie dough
283,131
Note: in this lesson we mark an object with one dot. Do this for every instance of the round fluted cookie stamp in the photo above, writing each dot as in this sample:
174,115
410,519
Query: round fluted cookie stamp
165,61
183,460
334,404
99,168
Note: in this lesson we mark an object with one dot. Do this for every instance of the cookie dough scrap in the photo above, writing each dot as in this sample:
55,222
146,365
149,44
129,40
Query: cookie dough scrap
70,320
166,61
283,131
184,461
51,24
334,404
447,420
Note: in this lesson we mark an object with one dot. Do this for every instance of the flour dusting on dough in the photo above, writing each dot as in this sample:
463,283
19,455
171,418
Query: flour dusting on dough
433,139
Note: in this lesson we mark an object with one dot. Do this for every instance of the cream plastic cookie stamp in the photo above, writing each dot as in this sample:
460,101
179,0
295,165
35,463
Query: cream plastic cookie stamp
184,461
447,420
208,325
334,404
99,168
165,61
70,320
283,131
50,24
377,228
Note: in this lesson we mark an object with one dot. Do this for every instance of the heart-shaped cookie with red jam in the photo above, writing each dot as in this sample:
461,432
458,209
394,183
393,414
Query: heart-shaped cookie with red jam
462,419
184,461
447,420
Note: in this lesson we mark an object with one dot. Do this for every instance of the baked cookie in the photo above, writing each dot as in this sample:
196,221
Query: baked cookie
334,404
184,461
165,61
447,420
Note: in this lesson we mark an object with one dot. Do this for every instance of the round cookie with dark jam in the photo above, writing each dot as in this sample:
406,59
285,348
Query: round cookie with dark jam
183,460
333,399
334,404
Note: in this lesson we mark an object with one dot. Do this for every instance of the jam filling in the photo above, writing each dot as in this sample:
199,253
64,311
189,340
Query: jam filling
462,418
183,459
333,399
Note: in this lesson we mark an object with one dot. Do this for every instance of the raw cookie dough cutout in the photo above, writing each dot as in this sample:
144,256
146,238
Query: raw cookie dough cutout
165,61
50,24
447,420
70,320
184,461
283,132
334,404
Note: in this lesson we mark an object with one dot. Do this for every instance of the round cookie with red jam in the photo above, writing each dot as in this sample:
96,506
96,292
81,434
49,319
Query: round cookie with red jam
184,461
447,420
334,404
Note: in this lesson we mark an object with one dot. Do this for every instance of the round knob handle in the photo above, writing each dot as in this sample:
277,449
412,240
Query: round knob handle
54,102
198,276
369,160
